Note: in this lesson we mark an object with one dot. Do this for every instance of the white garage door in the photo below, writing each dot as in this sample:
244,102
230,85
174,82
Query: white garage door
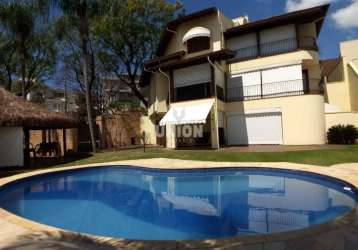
256,128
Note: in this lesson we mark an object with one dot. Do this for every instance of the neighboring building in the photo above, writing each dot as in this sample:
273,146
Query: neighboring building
53,99
247,82
341,86
120,94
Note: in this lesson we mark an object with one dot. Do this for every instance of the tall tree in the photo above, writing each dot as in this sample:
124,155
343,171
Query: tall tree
7,61
129,34
41,61
19,19
41,58
80,13
71,70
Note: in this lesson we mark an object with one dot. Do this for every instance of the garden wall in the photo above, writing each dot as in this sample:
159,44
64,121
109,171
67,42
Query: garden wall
119,130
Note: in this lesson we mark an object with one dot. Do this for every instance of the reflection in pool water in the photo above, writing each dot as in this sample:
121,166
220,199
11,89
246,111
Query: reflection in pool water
135,203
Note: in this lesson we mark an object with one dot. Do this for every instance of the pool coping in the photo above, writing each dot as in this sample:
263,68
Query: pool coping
347,173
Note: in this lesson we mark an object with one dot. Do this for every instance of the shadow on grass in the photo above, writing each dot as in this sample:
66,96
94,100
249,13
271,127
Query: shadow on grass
42,163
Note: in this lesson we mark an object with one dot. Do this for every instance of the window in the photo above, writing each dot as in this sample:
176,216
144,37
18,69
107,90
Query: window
197,44
192,75
306,83
220,93
192,92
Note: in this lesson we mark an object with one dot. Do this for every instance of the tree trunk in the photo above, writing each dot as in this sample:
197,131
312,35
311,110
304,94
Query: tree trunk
21,50
23,76
90,116
9,81
138,94
84,33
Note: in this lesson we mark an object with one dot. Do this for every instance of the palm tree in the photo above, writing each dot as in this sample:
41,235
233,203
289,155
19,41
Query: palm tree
7,61
19,19
80,13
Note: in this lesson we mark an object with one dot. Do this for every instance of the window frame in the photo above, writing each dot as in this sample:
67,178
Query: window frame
198,44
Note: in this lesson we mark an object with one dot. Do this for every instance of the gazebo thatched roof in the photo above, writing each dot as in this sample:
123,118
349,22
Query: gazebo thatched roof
17,112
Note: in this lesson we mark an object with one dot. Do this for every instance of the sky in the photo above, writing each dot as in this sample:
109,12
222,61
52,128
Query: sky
341,23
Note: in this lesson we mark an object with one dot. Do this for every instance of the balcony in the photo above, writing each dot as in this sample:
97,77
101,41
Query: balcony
275,48
268,90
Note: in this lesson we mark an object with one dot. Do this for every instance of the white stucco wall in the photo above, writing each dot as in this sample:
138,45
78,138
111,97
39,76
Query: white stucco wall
345,118
147,126
11,146
303,118
349,49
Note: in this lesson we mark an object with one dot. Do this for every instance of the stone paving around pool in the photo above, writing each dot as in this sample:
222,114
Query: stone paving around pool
341,233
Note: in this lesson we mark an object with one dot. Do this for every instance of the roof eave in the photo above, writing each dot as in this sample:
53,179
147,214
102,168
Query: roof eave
172,25
213,56
300,16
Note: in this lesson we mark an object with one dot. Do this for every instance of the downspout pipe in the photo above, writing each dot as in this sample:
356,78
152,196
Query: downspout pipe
150,71
168,77
215,65
215,105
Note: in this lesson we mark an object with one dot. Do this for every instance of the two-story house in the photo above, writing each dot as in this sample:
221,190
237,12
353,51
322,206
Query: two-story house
244,82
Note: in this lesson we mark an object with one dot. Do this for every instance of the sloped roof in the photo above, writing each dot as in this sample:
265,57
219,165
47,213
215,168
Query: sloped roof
315,14
172,25
18,112
329,65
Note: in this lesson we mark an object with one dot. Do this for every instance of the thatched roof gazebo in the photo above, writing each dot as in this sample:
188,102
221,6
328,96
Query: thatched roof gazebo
19,116
17,112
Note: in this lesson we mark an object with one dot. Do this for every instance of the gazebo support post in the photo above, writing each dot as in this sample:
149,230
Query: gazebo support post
64,139
26,147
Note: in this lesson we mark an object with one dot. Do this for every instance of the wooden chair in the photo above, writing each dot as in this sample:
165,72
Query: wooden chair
46,148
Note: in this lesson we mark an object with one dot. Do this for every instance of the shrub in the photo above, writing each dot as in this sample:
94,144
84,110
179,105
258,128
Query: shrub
342,134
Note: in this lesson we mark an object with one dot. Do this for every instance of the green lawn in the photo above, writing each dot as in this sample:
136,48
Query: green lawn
320,157
325,157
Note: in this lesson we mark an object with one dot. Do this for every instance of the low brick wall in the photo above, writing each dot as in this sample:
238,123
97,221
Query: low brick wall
119,130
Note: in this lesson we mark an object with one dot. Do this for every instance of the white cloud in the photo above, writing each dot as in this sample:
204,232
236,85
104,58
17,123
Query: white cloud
293,5
347,17
344,18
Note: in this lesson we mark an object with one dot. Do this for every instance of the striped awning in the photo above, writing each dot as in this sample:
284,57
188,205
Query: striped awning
196,32
194,112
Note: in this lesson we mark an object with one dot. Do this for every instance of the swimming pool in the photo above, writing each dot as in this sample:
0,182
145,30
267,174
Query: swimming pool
149,204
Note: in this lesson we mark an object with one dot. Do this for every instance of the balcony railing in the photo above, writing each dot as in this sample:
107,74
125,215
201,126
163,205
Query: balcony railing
276,47
267,90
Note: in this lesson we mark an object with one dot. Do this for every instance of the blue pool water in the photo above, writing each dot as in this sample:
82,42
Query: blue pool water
137,203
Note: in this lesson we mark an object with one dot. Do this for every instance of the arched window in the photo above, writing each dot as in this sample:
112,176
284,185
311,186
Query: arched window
197,39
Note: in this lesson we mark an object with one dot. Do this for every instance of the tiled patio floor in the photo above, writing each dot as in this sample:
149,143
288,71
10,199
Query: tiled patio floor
340,234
